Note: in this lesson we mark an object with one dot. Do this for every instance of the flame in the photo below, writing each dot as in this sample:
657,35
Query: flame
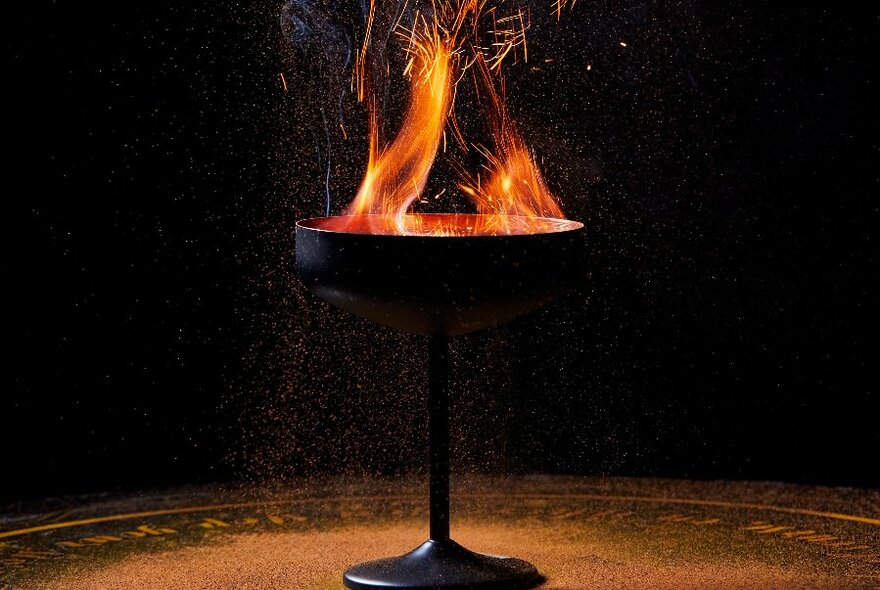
513,198
515,188
396,174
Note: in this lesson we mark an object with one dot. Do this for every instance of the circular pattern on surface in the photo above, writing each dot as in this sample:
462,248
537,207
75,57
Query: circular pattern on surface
580,533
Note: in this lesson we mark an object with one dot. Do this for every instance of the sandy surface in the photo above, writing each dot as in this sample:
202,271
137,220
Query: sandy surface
285,561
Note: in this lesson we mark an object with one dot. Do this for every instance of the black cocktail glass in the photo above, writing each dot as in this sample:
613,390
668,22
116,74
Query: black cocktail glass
439,286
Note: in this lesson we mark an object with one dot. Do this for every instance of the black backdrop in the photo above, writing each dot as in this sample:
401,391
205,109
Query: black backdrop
724,163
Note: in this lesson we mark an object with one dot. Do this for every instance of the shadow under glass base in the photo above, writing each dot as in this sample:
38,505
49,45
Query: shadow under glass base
443,565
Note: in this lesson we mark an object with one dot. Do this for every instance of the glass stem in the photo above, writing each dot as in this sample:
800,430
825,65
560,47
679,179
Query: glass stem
438,427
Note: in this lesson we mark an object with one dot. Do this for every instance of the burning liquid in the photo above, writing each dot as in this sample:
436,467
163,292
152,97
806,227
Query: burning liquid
512,198
445,224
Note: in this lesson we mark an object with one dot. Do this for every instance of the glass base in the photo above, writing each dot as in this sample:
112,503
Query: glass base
443,565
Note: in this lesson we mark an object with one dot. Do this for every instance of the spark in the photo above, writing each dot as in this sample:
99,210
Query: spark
560,5
361,57
507,37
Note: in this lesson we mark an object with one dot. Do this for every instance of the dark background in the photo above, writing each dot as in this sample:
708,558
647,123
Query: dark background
724,163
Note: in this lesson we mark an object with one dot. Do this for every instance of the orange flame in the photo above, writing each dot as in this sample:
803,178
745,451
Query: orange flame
396,175
514,198
515,189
